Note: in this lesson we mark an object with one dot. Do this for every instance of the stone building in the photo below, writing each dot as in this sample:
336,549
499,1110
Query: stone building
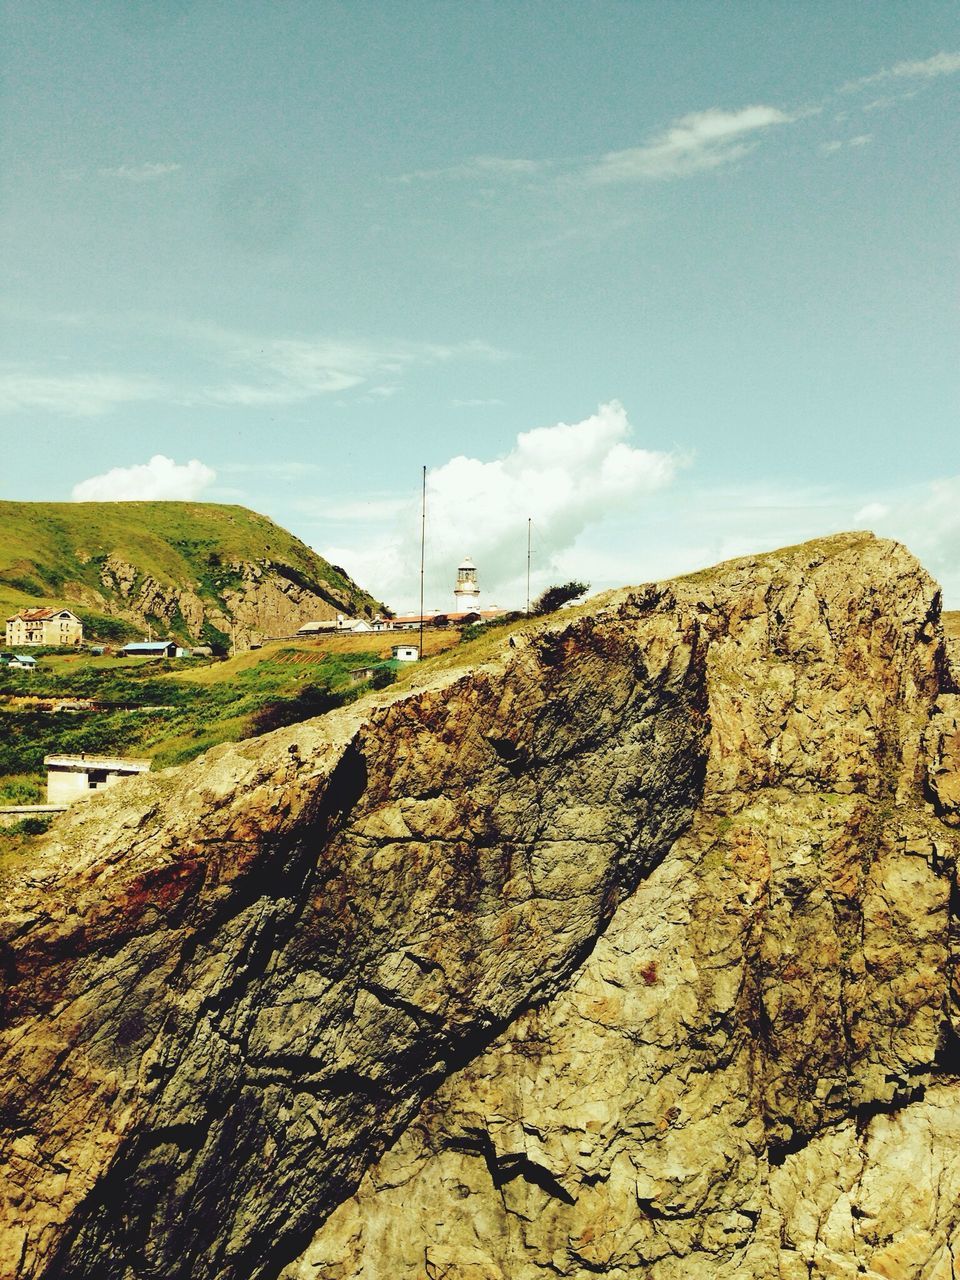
56,627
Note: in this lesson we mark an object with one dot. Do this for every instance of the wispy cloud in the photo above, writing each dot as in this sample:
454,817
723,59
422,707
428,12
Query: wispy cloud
79,395
278,470
838,144
294,369
149,171
927,518
691,144
160,479
697,142
369,510
244,372
488,167
940,64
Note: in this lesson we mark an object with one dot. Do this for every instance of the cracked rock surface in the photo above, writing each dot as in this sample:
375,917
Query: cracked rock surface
630,952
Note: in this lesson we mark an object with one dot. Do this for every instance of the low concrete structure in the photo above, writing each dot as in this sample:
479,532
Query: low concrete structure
72,778
405,653
11,814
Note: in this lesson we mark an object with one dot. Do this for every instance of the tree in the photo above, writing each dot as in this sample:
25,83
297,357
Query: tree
554,597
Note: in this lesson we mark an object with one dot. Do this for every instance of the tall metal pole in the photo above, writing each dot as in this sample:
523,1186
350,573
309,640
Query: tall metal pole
423,543
529,529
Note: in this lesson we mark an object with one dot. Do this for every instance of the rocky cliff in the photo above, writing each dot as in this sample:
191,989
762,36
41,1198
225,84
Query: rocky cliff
628,951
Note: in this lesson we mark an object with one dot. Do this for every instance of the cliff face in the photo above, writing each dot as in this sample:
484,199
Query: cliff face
630,952
255,600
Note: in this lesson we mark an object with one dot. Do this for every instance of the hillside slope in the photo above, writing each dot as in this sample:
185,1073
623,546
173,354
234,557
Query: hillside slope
196,571
628,950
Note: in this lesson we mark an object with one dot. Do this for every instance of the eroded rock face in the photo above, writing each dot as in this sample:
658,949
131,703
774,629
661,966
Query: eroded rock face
264,600
631,952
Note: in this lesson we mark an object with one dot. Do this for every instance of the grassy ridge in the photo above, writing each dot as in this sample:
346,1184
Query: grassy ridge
51,551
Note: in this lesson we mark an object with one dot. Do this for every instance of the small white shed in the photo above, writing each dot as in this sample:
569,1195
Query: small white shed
405,653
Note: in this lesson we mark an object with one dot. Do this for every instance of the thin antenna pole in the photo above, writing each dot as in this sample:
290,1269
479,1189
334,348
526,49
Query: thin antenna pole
423,543
529,533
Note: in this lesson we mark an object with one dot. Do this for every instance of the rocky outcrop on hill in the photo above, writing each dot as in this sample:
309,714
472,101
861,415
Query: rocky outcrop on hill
256,601
197,571
630,951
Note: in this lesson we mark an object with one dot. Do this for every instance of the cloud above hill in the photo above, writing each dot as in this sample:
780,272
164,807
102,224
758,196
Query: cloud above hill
160,479
565,478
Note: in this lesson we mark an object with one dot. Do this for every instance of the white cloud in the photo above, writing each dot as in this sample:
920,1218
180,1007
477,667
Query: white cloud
295,369
691,144
81,395
927,518
565,478
661,530
365,510
488,167
278,470
837,144
150,171
160,479
940,64
249,373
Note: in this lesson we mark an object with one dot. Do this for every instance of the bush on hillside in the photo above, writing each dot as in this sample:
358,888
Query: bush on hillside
312,700
556,596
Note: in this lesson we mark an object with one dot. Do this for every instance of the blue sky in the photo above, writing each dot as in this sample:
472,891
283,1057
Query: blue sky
678,281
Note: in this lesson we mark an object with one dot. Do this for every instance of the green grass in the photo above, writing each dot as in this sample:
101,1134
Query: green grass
53,552
168,710
23,788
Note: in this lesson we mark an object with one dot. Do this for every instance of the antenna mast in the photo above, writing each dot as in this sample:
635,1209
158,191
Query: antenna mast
529,531
423,542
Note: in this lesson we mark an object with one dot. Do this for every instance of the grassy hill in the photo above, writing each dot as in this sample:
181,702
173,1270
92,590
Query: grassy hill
170,552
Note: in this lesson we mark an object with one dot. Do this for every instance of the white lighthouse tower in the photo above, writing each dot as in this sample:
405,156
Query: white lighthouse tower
466,592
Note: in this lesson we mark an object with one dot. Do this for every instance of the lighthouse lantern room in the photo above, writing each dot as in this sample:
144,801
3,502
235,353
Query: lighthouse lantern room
467,593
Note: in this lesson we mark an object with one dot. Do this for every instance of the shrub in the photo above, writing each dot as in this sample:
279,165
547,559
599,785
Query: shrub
312,700
31,826
556,596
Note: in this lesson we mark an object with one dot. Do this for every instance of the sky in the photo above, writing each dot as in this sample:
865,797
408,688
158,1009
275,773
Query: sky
674,282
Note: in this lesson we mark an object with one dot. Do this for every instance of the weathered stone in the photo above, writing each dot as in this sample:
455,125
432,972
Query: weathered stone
630,952
265,601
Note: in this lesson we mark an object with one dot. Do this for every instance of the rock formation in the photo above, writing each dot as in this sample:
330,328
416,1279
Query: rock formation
262,600
629,951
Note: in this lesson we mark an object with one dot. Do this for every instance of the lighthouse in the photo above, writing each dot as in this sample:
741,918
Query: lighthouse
466,592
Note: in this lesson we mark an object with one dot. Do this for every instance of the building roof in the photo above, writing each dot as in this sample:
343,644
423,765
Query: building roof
40,615
91,763
33,615
148,646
